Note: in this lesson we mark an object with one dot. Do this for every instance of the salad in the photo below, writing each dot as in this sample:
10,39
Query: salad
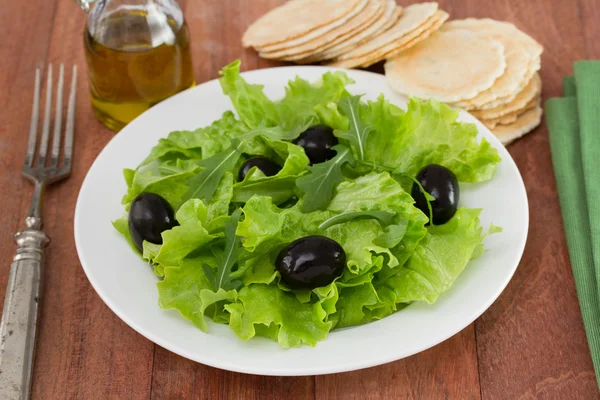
317,211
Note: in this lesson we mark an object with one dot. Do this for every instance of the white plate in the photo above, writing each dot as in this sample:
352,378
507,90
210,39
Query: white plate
127,285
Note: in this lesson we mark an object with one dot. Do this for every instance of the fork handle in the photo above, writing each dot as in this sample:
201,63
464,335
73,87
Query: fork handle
20,315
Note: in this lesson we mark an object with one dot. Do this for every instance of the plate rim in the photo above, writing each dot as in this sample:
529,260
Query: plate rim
317,370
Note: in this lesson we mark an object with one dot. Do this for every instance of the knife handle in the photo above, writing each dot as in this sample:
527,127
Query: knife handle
20,315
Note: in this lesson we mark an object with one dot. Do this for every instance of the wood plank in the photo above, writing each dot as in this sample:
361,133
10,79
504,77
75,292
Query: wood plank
216,32
17,79
84,350
531,342
448,371
179,378
590,15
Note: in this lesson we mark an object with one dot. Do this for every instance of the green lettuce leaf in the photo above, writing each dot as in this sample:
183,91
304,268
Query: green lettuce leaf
253,107
122,226
186,289
352,303
258,269
303,99
281,315
150,178
427,133
439,258
190,235
298,108
380,192
330,115
199,144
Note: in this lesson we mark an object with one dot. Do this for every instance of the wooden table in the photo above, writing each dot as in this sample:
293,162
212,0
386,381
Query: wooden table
529,344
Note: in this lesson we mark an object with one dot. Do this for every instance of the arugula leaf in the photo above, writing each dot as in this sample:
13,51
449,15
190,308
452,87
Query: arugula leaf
427,196
393,232
358,132
319,184
204,185
233,245
276,132
384,218
281,186
190,235
280,189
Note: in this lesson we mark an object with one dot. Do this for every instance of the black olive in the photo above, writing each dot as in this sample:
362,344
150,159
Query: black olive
311,262
268,167
441,183
149,216
317,142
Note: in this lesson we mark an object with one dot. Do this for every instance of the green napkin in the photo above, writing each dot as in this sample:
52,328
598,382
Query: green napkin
571,123
569,87
587,82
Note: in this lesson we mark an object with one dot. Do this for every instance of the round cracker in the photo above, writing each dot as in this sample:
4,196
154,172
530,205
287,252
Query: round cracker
493,27
508,119
519,50
422,33
307,15
524,124
448,66
530,92
373,9
531,71
390,16
355,22
437,21
411,18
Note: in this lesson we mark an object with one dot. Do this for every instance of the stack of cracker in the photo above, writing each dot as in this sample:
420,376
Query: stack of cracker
484,66
342,33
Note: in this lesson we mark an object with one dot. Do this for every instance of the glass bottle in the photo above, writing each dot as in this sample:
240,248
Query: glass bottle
138,54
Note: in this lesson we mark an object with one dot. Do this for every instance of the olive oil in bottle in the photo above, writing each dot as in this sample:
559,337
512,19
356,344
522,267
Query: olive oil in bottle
137,56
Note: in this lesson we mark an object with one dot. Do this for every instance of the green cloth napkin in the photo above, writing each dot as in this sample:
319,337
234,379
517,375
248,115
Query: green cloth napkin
569,88
587,82
574,130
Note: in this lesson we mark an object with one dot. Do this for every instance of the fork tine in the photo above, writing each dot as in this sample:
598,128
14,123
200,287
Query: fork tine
70,122
34,120
57,119
41,161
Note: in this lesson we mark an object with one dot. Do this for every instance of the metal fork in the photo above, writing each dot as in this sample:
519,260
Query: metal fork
20,314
